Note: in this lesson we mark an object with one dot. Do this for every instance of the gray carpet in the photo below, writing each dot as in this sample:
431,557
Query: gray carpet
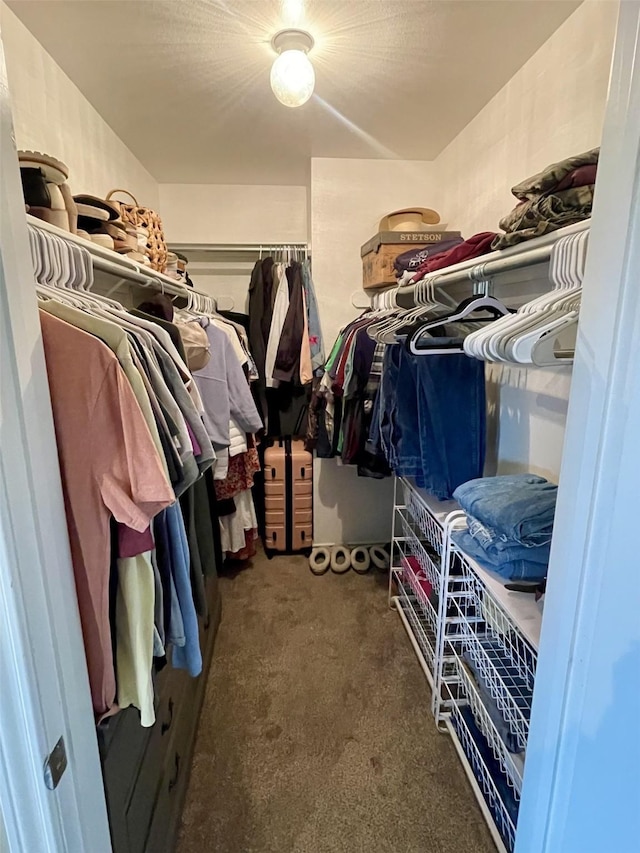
316,734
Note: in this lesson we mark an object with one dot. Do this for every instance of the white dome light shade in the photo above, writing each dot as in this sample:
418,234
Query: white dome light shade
292,78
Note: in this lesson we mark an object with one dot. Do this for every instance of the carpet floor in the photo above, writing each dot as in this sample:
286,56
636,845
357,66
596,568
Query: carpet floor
316,734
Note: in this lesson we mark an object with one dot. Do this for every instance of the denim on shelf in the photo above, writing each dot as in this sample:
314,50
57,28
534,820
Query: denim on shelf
518,568
519,507
501,550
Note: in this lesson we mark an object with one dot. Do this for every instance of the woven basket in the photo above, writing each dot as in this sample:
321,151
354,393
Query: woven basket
144,217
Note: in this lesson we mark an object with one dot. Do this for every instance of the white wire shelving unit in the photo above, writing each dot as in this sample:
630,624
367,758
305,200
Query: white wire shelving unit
416,577
477,645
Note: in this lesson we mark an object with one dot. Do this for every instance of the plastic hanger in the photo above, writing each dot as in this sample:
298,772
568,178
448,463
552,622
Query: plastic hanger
464,311
426,302
544,352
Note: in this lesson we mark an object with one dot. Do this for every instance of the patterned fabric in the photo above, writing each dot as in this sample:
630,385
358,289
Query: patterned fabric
537,217
548,179
550,200
242,469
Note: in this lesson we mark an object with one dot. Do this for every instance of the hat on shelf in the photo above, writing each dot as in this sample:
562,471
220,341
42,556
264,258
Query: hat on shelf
54,171
96,208
409,219
103,240
89,217
112,230
45,190
171,268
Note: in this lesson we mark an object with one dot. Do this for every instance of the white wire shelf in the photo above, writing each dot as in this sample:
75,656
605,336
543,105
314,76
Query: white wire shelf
499,821
507,608
422,550
511,764
477,643
428,511
416,625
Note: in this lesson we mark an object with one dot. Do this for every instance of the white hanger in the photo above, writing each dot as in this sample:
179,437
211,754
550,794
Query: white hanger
530,336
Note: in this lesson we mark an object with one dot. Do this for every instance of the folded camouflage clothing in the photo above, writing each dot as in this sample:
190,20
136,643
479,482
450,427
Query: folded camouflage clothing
544,203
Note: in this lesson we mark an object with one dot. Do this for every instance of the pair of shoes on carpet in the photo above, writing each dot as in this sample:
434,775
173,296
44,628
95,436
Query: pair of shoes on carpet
340,559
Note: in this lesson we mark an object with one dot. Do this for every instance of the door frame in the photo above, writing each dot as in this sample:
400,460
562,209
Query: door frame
41,655
582,775
42,663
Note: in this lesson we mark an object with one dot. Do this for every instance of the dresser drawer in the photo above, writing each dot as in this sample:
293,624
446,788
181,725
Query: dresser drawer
141,803
168,804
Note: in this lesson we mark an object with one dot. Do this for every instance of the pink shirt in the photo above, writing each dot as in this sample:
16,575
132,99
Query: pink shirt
109,466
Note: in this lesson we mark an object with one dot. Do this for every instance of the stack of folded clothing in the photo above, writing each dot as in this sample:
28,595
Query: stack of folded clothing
412,259
560,195
509,524
475,246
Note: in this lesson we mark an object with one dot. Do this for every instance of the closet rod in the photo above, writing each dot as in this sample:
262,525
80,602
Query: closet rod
535,251
110,262
235,247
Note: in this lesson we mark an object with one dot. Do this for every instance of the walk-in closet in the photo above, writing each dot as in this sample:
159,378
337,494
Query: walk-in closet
319,325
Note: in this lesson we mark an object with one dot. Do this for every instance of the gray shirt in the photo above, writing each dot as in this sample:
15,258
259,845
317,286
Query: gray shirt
224,390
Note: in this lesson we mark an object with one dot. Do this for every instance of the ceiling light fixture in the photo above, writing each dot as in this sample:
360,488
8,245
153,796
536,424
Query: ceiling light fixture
292,74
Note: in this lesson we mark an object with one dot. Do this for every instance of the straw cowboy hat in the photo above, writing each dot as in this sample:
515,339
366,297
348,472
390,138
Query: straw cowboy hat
409,219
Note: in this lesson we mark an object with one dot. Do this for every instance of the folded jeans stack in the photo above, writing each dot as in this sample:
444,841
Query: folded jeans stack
509,524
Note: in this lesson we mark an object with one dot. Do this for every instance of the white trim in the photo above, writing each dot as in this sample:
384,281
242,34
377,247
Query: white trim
45,692
582,773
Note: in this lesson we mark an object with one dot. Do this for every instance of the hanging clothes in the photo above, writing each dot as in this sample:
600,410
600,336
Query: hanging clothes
383,409
284,324
232,419
224,390
110,466
133,436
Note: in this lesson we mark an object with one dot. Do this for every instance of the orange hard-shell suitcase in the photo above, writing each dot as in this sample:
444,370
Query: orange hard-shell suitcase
288,496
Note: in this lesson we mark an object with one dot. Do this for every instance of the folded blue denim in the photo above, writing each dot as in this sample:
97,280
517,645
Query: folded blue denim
501,550
518,507
516,569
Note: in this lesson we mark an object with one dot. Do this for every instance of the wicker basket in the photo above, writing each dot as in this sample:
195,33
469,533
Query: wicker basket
144,217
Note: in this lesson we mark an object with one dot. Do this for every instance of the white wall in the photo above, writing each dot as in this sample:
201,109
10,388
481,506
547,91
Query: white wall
230,213
551,108
348,198
50,114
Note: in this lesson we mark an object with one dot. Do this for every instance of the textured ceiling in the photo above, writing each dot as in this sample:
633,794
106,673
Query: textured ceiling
185,83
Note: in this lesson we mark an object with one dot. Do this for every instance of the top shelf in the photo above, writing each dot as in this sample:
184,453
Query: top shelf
115,264
528,254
